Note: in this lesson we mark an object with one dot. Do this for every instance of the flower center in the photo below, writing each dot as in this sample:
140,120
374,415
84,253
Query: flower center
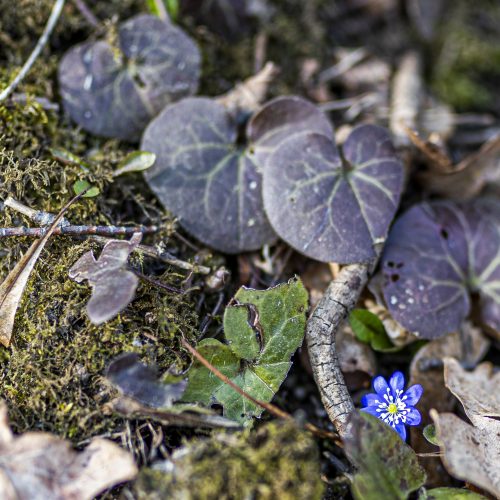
392,408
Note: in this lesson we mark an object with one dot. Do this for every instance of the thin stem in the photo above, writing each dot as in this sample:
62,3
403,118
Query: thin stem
161,10
157,283
87,13
42,41
274,410
38,232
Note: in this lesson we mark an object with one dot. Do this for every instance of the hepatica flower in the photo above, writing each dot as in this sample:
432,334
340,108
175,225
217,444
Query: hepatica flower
392,404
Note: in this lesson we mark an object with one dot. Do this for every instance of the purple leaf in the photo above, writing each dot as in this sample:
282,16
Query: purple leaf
115,91
140,382
333,207
436,254
208,171
113,285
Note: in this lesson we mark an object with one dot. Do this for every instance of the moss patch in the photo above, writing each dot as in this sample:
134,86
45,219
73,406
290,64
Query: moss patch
468,67
278,460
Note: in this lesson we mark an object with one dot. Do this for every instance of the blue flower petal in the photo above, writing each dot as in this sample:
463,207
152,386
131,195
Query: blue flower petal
371,400
412,395
413,417
380,386
397,382
401,430
372,410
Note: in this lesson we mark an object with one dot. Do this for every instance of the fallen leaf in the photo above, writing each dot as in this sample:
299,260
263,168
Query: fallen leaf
180,415
426,370
12,288
470,453
41,466
470,176
113,284
386,466
354,356
140,382
478,391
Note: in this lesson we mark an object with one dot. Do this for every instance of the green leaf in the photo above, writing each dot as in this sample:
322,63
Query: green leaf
263,328
137,161
68,158
387,467
430,434
449,494
171,6
81,186
369,329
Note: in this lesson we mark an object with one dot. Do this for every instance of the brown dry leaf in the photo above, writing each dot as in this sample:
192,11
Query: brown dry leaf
470,176
426,369
41,466
12,288
478,391
316,278
113,285
470,453
182,415
250,94
354,356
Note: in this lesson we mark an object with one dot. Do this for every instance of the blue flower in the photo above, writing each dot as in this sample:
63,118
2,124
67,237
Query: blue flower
392,404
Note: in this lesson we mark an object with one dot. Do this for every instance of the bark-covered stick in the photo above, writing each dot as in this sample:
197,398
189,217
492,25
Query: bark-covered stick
340,297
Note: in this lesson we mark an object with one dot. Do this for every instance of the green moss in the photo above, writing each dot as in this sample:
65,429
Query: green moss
51,376
466,72
22,22
278,460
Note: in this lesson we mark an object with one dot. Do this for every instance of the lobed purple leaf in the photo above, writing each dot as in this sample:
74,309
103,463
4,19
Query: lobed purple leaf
115,91
333,207
209,176
436,254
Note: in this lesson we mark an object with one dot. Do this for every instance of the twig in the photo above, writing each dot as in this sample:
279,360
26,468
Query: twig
87,13
41,217
38,216
344,65
274,410
38,232
42,41
340,297
157,283
168,258
406,97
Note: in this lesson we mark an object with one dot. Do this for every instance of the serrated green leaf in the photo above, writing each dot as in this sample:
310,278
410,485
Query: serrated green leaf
387,467
137,161
430,434
263,328
449,494
81,186
369,329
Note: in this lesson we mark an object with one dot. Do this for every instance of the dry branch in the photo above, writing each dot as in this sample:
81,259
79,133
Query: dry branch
340,297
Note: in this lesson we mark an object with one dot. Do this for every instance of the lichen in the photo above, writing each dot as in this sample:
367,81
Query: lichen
278,460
